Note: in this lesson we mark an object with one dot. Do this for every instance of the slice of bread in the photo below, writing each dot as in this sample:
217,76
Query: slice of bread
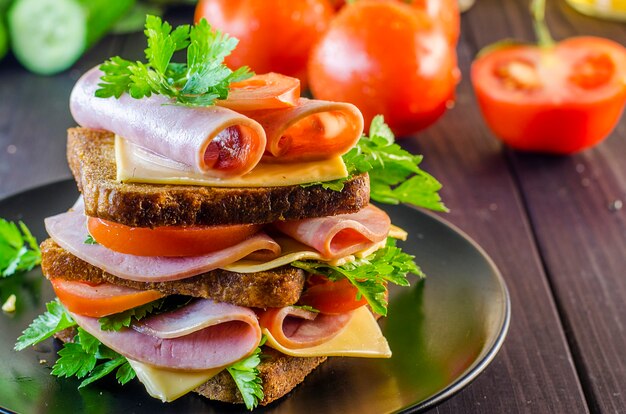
279,374
91,156
274,288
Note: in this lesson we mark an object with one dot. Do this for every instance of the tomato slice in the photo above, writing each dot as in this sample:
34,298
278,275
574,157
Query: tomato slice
100,300
171,241
267,91
558,99
331,297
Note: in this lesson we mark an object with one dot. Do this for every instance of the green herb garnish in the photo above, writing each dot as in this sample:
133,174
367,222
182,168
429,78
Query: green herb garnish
245,373
306,308
198,82
395,176
123,319
44,326
18,248
370,274
90,240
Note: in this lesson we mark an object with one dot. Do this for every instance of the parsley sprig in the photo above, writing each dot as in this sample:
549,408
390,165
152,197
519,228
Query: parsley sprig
123,319
18,248
245,373
85,357
198,82
395,175
370,274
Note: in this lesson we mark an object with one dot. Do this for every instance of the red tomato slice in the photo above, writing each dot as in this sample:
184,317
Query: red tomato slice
168,241
267,91
331,297
100,300
561,99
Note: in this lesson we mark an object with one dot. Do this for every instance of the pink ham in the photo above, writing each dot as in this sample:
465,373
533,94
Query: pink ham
298,328
213,140
218,335
312,130
69,231
338,236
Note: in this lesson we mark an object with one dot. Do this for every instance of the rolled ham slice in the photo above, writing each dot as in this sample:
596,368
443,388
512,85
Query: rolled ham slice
219,334
297,328
312,130
213,140
338,236
69,231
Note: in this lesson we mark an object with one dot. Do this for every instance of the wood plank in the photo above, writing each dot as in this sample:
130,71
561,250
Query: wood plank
581,233
534,371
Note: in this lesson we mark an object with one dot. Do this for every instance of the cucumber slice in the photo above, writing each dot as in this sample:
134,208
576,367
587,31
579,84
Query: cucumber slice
4,38
47,36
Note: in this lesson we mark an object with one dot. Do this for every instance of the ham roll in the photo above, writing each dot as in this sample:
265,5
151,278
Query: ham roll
213,140
313,130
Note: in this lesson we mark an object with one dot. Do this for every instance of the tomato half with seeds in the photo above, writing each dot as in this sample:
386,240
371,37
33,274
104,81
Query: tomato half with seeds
171,241
557,99
331,297
100,299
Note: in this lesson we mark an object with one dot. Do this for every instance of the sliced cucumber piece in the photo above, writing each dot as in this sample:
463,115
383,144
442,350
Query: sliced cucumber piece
47,36
4,38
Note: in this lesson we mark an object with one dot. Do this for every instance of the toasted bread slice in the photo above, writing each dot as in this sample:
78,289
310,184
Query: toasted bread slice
91,156
274,288
279,374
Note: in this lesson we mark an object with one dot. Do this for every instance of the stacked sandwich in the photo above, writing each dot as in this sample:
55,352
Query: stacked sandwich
208,235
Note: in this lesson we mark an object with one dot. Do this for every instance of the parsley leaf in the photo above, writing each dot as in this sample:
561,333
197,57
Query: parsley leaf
90,240
245,373
370,274
18,248
44,326
395,176
74,361
306,308
117,321
198,82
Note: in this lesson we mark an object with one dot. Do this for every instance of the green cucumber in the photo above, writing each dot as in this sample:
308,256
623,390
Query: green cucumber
48,36
4,38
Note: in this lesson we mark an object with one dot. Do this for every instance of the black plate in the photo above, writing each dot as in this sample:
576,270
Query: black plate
443,332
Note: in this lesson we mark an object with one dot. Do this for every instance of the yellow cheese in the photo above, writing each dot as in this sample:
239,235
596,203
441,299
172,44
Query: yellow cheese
168,385
138,165
360,338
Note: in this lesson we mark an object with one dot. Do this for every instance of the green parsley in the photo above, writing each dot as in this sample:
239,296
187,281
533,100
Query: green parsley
245,373
19,250
90,240
198,82
123,319
370,274
44,326
395,176
306,308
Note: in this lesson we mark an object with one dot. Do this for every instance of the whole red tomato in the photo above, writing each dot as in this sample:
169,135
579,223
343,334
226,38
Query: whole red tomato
386,58
445,12
558,99
274,35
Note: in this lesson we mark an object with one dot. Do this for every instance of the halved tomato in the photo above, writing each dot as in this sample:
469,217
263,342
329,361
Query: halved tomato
331,297
102,299
267,91
171,241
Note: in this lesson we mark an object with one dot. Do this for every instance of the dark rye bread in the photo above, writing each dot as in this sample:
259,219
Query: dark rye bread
275,288
279,373
91,156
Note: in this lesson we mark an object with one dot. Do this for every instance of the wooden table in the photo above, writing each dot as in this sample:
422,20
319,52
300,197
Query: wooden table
555,226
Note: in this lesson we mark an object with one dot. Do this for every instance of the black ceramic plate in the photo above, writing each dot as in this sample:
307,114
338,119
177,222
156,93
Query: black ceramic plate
443,332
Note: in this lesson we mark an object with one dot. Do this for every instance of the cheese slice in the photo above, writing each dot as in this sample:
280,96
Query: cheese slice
360,338
139,165
168,385
292,250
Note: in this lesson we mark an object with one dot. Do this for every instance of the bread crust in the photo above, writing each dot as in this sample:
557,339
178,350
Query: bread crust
275,288
91,157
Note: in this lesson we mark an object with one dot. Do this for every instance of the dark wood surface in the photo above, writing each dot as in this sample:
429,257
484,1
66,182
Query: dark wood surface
553,225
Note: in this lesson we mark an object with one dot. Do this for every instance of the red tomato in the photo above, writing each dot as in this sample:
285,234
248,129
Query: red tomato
561,99
446,12
267,91
331,297
386,58
100,300
274,35
168,240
